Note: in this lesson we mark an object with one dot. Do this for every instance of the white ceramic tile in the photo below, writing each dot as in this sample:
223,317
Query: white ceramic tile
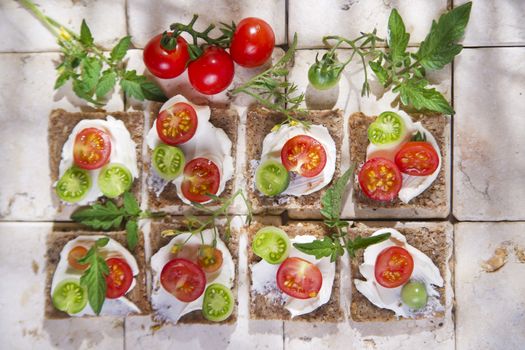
149,18
22,32
490,307
313,19
495,23
489,158
26,99
22,324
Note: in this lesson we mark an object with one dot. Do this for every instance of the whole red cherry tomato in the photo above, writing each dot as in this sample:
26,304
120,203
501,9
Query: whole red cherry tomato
212,72
164,63
252,43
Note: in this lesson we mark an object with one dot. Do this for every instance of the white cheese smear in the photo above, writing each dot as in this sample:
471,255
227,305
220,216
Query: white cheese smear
122,151
111,307
299,185
264,281
208,142
424,271
166,305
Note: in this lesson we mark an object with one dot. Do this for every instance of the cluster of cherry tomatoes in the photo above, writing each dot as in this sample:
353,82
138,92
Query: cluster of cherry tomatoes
251,46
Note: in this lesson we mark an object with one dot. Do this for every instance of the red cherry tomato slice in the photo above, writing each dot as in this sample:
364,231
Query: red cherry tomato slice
177,124
212,72
201,176
299,278
166,64
209,258
394,266
74,255
92,148
304,155
119,279
380,179
417,158
184,279
252,43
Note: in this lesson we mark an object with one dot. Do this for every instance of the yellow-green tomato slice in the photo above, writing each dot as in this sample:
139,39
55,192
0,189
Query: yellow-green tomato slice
73,185
388,128
271,178
414,295
69,296
218,302
114,179
168,161
271,244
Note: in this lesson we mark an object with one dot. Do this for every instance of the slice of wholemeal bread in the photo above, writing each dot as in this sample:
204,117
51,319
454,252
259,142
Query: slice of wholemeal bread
61,123
432,238
58,239
221,117
157,241
433,202
260,122
264,308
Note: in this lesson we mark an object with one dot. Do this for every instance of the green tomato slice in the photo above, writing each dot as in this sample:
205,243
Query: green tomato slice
114,179
73,185
69,296
271,244
414,295
218,302
271,178
388,128
168,161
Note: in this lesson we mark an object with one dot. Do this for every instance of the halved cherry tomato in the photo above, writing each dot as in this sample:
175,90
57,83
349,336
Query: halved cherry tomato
209,258
212,72
119,279
417,158
252,43
163,63
76,254
394,266
299,278
304,155
380,179
177,124
201,176
184,279
92,148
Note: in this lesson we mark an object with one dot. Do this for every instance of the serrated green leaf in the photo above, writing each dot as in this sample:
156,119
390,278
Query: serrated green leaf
91,69
381,73
100,216
102,242
132,235
106,83
397,37
86,37
440,45
152,92
131,205
132,88
413,92
332,199
120,50
94,278
61,80
318,248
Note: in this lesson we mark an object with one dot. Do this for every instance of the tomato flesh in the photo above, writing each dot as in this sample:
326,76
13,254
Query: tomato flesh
119,278
380,179
92,148
299,278
394,266
166,64
184,279
212,72
201,177
252,43
304,155
417,158
76,254
209,258
177,124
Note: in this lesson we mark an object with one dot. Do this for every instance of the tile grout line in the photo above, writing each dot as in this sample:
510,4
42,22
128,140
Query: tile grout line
124,102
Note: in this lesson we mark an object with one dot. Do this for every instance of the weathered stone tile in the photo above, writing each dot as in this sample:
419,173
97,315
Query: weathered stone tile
490,310
147,18
313,19
22,32
489,161
26,99
22,326
495,23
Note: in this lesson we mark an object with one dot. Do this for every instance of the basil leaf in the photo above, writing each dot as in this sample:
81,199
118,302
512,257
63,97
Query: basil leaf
86,37
397,37
318,248
413,92
132,235
120,50
333,197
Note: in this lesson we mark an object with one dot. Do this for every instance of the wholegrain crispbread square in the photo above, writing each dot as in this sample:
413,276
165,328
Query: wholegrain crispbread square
221,117
433,201
260,122
57,239
429,238
61,123
157,241
264,308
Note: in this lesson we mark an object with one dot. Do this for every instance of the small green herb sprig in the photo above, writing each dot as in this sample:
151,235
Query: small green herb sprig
93,72
107,216
334,245
272,90
94,277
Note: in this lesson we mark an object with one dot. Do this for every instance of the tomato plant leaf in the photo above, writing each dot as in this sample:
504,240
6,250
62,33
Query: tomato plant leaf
86,37
120,50
414,92
381,73
132,235
397,37
132,89
100,216
106,83
152,91
131,205
94,278
332,199
362,243
61,80
318,248
91,69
